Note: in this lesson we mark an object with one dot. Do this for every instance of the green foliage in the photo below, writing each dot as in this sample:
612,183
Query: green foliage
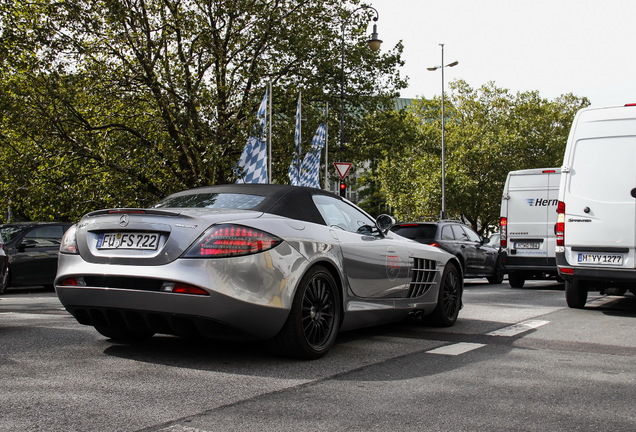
489,132
119,102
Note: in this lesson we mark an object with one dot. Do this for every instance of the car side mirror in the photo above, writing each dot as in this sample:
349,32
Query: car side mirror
384,223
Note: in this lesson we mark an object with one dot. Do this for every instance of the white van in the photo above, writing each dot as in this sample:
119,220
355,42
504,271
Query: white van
596,226
528,215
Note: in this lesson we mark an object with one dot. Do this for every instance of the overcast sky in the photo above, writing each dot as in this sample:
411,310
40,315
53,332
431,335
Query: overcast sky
584,47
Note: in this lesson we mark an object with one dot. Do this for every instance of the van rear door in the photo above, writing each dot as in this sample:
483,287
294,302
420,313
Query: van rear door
531,211
600,219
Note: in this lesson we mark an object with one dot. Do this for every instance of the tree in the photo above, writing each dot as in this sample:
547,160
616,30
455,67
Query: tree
120,102
489,132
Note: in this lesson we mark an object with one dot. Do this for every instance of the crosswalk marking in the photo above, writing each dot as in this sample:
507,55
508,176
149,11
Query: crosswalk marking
521,327
456,349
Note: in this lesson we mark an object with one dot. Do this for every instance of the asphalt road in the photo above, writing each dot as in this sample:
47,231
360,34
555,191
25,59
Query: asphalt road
517,360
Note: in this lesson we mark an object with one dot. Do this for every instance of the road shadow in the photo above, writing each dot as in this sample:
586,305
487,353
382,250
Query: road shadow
353,350
618,306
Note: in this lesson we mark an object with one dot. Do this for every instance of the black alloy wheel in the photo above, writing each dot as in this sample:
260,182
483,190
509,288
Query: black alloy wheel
498,273
313,322
449,299
4,280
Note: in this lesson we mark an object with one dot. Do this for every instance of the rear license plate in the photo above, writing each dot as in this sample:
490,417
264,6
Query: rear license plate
527,245
595,258
128,240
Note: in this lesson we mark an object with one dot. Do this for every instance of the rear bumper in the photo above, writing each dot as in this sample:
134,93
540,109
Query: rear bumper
251,295
531,265
607,275
217,315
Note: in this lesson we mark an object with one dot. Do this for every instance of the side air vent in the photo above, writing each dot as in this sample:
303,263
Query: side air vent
423,277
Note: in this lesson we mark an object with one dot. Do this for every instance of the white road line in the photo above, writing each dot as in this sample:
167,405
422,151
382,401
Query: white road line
518,328
23,315
179,428
456,349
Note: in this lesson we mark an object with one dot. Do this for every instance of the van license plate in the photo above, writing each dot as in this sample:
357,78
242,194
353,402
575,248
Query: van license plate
593,258
527,245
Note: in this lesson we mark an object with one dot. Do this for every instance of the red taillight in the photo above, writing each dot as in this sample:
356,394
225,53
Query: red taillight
559,228
72,281
231,240
188,289
567,270
548,171
503,232
69,282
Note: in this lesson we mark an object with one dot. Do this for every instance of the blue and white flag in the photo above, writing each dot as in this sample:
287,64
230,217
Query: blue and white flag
252,165
310,169
294,167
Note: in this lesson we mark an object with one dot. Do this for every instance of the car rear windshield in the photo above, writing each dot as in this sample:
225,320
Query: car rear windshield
8,233
212,200
416,231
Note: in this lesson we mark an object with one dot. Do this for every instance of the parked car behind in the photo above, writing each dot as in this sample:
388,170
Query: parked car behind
32,250
478,259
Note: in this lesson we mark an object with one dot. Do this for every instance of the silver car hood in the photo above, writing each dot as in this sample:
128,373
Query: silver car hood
178,229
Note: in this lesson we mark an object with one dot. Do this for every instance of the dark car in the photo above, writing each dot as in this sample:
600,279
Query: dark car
478,259
4,271
32,250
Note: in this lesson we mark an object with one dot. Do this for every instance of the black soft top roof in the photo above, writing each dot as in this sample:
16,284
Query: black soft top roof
294,202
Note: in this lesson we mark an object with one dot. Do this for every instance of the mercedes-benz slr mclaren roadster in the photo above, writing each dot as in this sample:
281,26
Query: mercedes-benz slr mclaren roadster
290,265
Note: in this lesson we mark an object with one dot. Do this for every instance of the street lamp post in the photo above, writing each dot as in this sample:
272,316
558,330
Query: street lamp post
374,44
434,68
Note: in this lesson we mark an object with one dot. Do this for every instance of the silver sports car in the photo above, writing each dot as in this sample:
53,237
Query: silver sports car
290,265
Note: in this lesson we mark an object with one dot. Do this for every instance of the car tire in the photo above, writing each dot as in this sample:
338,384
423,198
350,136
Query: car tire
449,298
123,335
516,280
498,274
314,319
575,293
4,281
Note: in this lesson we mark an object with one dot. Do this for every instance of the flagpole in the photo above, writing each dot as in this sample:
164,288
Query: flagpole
300,129
269,133
326,146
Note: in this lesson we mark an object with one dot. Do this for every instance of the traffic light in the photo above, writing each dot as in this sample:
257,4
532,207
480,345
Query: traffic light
343,188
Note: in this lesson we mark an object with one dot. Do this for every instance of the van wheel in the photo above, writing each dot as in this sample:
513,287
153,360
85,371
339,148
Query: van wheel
516,280
575,293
